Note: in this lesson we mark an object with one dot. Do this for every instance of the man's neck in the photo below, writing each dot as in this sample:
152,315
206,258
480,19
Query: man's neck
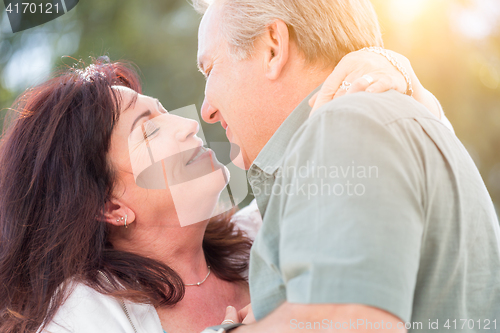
293,90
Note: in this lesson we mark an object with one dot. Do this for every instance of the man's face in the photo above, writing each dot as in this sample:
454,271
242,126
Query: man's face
234,93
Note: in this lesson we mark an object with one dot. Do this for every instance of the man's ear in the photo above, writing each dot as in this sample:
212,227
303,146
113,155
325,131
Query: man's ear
276,41
116,213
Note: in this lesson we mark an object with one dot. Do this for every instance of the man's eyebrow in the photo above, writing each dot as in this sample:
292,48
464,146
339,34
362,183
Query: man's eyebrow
144,114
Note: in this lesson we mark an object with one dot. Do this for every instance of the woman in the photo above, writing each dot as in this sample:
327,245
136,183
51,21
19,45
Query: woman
85,248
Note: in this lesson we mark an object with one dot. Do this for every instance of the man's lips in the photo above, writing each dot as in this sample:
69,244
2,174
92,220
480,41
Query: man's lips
224,124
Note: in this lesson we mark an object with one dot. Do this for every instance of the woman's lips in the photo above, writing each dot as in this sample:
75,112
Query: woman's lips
200,154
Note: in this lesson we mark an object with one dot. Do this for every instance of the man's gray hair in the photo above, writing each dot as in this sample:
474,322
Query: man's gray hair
324,30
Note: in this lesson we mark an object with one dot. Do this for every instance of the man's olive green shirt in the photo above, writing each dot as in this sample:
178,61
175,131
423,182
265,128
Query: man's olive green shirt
374,201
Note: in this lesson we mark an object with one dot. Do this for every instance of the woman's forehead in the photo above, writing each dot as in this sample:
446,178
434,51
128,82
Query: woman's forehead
131,99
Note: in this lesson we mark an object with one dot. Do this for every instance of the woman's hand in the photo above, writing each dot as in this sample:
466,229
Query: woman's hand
244,316
385,77
232,316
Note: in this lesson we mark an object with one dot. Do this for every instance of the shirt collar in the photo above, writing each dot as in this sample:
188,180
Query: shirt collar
270,157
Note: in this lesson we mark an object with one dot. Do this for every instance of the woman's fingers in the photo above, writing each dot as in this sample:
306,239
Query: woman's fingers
325,95
328,92
354,83
361,84
312,101
329,89
361,71
246,315
243,312
249,317
231,316
385,83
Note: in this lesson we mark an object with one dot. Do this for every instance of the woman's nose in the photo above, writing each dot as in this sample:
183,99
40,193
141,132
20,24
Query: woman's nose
188,128
209,113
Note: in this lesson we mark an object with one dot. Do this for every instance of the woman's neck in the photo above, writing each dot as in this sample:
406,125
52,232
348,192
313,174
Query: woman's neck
180,248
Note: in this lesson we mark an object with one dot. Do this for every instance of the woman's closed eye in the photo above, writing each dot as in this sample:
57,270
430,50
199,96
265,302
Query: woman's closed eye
150,130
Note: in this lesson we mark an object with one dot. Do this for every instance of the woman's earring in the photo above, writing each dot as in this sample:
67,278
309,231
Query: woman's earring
125,221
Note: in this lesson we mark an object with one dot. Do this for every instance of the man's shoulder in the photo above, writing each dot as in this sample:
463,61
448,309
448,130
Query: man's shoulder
383,108
365,114
363,125
384,118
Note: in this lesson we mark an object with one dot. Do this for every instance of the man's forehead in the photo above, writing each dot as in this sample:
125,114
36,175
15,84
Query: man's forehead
208,34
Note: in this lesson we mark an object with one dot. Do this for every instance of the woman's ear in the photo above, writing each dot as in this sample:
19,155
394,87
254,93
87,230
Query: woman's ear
118,214
276,40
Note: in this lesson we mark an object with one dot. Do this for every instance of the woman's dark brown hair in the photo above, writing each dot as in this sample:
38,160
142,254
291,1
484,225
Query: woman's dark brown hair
54,182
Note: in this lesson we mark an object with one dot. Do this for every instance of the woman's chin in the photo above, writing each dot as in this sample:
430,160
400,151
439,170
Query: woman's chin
227,175
197,199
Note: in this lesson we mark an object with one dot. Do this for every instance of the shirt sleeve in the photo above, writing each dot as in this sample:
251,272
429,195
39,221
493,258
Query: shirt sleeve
447,122
352,220
443,119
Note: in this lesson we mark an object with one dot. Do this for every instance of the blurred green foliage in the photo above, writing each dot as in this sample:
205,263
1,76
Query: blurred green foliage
160,37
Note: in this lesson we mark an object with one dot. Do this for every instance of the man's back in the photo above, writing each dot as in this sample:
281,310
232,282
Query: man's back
389,211
458,276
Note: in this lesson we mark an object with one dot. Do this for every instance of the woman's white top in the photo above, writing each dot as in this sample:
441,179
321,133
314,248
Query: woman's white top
86,310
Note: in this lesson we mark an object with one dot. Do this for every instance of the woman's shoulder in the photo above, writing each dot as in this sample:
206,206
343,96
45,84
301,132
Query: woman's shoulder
86,310
248,220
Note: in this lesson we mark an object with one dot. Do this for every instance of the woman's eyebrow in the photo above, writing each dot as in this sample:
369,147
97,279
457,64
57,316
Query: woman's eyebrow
144,114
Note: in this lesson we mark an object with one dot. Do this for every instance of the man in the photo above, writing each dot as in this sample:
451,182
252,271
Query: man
375,218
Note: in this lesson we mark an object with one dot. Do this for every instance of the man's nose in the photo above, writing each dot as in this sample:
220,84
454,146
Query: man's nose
209,113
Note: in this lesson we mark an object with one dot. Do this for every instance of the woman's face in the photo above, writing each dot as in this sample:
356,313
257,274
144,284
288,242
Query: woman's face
164,174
